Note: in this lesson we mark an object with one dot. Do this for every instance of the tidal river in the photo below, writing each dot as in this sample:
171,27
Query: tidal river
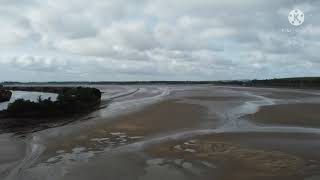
176,132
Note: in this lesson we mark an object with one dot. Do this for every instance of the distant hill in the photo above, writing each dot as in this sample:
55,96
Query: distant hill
294,82
104,83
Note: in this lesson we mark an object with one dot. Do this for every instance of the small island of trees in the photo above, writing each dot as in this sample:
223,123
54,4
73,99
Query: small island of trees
71,102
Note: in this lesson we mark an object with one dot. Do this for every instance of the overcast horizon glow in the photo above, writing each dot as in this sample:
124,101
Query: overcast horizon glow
122,40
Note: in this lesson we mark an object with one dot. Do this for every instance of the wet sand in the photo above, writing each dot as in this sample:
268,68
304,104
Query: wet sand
192,133
11,152
166,116
219,98
251,156
302,114
160,118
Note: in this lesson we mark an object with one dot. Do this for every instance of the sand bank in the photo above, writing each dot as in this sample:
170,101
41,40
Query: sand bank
302,114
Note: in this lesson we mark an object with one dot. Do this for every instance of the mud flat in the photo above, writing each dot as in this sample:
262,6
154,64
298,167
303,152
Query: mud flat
190,133
166,116
302,114
162,117
12,151
245,156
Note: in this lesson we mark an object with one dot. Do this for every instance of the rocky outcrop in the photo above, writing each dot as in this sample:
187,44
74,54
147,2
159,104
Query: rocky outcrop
5,95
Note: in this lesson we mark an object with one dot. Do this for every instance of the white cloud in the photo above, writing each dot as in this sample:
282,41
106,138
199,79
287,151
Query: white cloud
156,39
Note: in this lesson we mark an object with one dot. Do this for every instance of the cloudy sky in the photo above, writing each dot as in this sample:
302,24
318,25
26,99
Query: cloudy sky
120,40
